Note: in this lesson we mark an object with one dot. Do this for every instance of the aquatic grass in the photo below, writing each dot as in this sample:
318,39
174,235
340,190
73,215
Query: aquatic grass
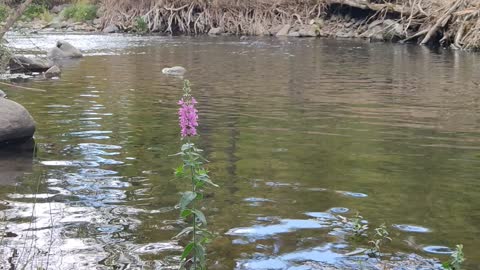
194,254
456,259
381,237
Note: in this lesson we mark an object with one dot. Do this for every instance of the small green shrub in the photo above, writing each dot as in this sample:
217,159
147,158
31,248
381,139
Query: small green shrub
4,10
80,12
140,25
34,11
456,259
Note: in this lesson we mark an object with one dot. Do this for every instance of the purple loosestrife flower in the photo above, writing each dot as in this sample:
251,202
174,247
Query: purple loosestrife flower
188,117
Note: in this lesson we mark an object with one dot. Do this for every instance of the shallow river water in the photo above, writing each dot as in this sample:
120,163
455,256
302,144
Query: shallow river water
298,132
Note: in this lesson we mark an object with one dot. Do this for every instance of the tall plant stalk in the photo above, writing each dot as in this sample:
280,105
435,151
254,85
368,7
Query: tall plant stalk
194,255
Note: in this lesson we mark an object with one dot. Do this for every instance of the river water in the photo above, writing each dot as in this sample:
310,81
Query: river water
298,133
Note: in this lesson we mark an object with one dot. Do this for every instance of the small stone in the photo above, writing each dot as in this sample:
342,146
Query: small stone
53,72
110,29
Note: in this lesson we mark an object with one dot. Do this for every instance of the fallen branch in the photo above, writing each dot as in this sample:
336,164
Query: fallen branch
23,87
441,21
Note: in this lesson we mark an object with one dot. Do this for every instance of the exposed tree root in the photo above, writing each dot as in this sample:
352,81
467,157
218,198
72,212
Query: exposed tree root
445,22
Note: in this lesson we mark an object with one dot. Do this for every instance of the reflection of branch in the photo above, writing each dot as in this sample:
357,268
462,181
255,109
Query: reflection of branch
14,17
23,87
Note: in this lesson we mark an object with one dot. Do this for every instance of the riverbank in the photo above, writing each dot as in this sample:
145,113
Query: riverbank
445,23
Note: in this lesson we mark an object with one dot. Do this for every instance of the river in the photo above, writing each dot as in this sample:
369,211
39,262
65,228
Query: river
297,131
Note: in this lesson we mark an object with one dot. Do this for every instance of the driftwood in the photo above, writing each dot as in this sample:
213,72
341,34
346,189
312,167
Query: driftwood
23,87
442,21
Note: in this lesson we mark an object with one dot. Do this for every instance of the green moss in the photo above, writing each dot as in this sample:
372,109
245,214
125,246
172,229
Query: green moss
80,12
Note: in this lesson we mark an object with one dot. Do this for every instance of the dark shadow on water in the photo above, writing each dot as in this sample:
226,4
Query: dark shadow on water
15,161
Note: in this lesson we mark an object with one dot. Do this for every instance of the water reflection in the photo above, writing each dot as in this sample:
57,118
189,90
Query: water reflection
299,134
15,161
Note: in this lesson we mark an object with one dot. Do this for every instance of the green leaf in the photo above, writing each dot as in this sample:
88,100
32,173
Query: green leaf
185,213
187,250
186,199
180,172
200,216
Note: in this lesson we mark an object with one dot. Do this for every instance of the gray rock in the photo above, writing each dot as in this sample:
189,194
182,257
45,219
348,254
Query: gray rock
64,50
284,30
53,72
274,29
294,34
28,64
309,31
16,124
215,31
111,29
2,94
380,30
176,71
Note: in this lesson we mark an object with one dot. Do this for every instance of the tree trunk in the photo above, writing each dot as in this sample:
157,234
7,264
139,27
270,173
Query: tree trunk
14,17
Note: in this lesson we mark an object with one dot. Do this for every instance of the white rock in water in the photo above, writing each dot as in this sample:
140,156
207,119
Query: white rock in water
176,70
2,94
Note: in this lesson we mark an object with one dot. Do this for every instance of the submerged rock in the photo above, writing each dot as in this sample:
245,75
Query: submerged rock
53,72
15,161
16,124
176,70
215,31
29,64
64,50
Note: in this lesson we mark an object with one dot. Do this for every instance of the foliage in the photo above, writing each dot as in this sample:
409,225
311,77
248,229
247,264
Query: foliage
359,228
456,260
140,25
4,10
193,256
80,11
380,237
36,11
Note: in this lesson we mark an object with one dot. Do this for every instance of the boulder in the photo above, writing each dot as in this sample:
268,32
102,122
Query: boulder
111,29
309,30
381,30
28,64
53,72
215,31
176,71
283,31
294,34
64,50
2,94
16,124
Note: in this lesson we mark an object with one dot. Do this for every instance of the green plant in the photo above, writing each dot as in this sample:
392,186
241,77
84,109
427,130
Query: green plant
381,237
359,228
80,12
35,11
4,10
456,259
140,25
193,256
